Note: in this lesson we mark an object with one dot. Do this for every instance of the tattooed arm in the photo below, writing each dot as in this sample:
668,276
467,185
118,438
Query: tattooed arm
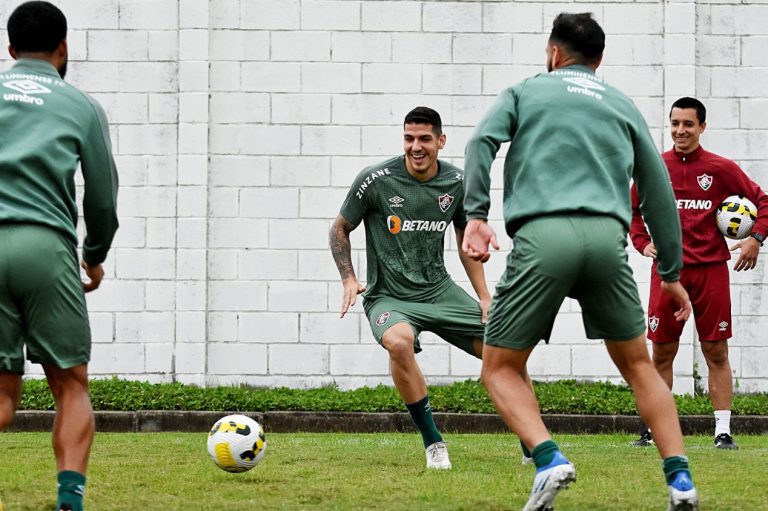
341,250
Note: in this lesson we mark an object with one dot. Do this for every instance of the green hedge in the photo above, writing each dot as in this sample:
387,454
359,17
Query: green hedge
463,397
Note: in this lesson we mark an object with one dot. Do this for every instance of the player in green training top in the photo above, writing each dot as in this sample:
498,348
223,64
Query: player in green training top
47,128
407,203
575,144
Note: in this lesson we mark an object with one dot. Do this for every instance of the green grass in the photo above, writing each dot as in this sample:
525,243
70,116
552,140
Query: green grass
172,471
463,397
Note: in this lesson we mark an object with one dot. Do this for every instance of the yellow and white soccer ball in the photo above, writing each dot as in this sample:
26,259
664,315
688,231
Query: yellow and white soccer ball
736,216
236,443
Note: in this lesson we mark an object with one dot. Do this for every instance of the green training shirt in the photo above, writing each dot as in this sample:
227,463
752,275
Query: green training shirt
47,127
405,223
576,142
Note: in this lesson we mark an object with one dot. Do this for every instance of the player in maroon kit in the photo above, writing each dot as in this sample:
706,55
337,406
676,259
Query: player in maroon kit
701,181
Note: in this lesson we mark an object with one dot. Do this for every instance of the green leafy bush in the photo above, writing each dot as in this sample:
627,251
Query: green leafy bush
567,397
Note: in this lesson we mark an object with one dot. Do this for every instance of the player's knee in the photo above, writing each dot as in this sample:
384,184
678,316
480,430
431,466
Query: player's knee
398,347
716,357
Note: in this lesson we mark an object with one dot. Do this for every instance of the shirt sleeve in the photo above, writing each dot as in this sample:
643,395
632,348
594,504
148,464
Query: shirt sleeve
637,231
657,202
100,180
497,127
355,205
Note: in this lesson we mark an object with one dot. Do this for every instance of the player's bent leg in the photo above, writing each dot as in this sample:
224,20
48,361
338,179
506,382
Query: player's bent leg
399,340
10,396
657,409
505,376
664,354
654,399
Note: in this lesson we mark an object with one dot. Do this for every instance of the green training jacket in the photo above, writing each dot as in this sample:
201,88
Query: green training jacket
576,144
47,127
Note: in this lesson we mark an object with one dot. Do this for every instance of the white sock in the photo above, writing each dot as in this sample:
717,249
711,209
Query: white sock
722,422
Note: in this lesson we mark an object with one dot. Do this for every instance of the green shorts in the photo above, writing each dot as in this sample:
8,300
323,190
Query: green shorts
582,257
42,303
453,315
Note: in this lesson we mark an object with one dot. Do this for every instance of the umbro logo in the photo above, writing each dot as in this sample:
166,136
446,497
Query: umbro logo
723,325
396,201
584,82
27,87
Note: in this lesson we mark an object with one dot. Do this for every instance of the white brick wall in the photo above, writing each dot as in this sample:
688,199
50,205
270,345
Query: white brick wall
239,124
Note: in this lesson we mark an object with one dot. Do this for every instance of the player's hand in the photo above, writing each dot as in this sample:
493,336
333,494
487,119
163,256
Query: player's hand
95,274
750,248
352,288
650,250
477,236
680,296
485,306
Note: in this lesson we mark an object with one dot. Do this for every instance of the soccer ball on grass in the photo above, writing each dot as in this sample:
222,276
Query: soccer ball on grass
236,443
736,216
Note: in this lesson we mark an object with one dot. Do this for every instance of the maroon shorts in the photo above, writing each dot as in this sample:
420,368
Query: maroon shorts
708,286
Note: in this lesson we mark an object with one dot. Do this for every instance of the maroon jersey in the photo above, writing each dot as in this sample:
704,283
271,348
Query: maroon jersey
702,181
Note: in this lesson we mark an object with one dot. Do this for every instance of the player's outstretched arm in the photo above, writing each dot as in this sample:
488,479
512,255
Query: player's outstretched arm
476,275
341,249
680,296
478,235
750,249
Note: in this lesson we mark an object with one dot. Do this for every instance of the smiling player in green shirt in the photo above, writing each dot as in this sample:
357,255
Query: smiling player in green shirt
407,204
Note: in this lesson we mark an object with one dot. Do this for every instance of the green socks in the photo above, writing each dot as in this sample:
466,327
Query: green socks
421,413
673,465
71,490
544,453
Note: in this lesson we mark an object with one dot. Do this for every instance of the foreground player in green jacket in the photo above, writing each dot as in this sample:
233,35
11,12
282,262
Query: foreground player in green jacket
575,144
407,204
47,127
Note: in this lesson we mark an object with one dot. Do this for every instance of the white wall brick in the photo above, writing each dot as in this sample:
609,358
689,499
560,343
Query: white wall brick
301,46
237,359
298,359
268,264
144,327
270,14
237,296
361,46
149,14
304,296
421,48
482,48
330,77
271,76
330,15
268,327
367,360
393,16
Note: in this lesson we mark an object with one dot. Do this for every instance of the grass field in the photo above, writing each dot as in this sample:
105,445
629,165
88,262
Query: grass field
172,471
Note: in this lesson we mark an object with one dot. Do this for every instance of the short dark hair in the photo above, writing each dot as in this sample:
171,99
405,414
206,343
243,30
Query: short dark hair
686,102
425,115
580,34
36,27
